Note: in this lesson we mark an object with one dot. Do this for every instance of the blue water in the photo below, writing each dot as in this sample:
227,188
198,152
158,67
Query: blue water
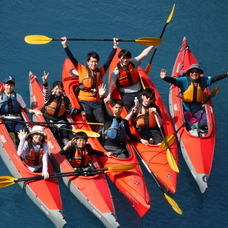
204,23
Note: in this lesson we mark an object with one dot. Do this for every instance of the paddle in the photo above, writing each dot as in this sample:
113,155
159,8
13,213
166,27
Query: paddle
8,180
73,123
149,66
170,138
41,39
171,201
169,155
44,124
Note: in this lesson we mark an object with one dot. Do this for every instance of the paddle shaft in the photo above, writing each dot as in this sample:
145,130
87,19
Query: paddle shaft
83,39
155,49
44,124
67,174
164,190
161,35
48,123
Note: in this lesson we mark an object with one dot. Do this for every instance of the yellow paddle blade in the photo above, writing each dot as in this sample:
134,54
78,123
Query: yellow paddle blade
171,161
37,39
171,14
173,204
120,168
7,181
149,41
89,133
91,123
148,68
215,91
167,142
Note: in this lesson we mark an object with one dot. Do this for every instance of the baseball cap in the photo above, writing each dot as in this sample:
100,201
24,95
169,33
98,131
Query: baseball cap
8,79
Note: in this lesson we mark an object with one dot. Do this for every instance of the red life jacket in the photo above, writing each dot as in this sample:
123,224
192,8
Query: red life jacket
34,158
145,118
127,76
81,158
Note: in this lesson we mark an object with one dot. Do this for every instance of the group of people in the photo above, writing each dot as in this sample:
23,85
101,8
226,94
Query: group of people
146,115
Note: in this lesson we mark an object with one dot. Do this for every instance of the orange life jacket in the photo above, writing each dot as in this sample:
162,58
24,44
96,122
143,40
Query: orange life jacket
194,93
81,158
88,93
127,76
145,118
91,82
34,158
56,108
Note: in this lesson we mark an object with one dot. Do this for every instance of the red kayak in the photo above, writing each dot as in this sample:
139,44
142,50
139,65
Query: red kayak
44,193
131,183
198,151
92,191
153,157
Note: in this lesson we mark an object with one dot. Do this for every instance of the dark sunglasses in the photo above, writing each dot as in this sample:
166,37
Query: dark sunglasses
194,71
150,98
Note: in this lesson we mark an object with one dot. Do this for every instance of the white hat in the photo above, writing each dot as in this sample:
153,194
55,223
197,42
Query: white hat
37,130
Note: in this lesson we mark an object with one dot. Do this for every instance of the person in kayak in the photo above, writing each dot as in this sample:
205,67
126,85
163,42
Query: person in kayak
116,129
90,77
78,152
126,77
192,87
33,150
146,117
56,106
11,104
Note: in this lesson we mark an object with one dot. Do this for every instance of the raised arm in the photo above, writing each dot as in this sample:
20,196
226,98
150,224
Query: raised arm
46,89
144,53
165,78
68,52
218,77
112,54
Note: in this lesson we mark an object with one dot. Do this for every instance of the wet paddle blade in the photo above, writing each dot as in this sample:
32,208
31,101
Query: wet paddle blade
120,168
215,91
149,41
89,133
167,142
149,65
171,161
171,14
148,68
7,181
37,39
173,204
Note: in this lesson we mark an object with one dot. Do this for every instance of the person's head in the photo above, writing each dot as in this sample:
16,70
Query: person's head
194,71
148,96
9,84
57,88
36,135
117,107
92,60
124,57
80,139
